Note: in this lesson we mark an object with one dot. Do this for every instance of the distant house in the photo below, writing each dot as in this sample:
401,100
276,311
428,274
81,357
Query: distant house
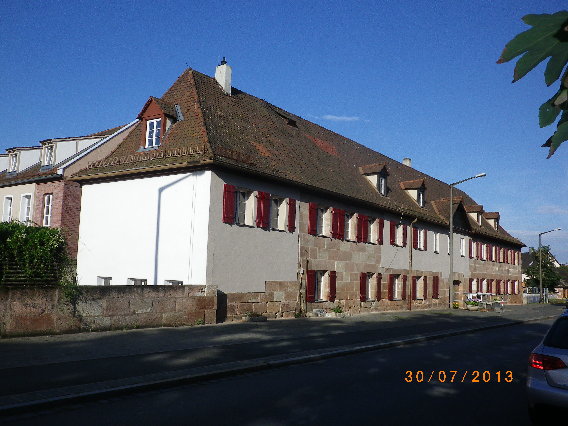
215,186
33,184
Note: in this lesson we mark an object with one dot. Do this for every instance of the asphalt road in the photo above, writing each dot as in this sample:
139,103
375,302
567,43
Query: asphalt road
366,388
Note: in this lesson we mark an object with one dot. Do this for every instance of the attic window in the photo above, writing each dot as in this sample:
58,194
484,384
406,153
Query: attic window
496,224
153,133
420,197
13,162
382,184
48,155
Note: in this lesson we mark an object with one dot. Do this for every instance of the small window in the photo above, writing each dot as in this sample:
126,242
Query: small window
13,162
350,227
474,288
397,288
7,209
322,285
399,234
419,288
244,207
479,218
26,208
47,201
372,230
382,184
324,219
462,247
496,224
153,132
436,242
278,213
484,286
420,197
48,155
484,252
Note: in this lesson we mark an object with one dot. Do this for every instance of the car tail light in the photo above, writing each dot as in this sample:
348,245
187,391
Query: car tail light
546,362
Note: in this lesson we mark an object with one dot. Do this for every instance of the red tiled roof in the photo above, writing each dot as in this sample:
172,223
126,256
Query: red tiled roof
243,132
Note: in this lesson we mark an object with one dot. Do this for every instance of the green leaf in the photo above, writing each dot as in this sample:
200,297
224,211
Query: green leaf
526,40
548,112
558,60
538,53
556,18
558,137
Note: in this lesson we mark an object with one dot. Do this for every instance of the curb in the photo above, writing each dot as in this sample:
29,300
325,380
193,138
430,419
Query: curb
92,391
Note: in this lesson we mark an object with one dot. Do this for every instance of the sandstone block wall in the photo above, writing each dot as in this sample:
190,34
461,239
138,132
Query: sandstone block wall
41,310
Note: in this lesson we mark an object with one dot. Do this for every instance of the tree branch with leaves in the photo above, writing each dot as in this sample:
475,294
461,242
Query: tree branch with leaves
548,38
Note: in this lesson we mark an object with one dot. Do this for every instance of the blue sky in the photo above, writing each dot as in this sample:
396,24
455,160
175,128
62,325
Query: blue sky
407,78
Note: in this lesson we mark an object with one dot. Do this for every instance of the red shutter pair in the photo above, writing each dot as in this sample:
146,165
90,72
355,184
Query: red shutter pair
262,209
363,286
362,228
229,204
381,227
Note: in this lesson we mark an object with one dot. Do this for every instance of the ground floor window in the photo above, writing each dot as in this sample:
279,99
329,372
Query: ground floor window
397,287
321,286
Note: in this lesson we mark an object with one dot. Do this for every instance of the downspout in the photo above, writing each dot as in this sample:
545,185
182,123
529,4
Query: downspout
410,246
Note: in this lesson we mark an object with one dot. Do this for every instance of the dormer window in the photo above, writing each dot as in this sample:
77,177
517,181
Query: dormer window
13,162
420,197
479,218
153,133
382,184
48,155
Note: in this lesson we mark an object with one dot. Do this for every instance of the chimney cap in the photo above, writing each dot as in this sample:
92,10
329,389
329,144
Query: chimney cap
407,162
223,61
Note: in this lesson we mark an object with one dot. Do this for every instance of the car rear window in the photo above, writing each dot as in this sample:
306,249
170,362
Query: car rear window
557,336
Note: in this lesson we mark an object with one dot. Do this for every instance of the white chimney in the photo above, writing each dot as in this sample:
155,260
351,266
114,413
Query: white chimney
223,76
407,162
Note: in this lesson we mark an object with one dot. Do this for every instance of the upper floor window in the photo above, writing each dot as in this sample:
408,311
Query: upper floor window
47,202
244,207
420,197
7,209
48,155
382,184
153,132
278,213
350,227
462,247
12,162
436,242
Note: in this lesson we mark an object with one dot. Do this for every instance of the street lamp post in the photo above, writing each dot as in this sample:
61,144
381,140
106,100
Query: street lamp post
451,279
540,261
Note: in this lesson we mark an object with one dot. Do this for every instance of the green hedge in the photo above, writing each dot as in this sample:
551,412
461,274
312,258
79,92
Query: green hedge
31,254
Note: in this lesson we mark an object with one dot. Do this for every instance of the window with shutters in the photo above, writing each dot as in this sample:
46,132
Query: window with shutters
436,242
419,237
7,209
462,247
397,287
368,286
400,228
278,213
474,286
244,207
483,251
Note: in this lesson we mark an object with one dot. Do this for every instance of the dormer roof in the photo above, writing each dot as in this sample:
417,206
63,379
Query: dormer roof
476,208
491,215
413,184
153,105
371,169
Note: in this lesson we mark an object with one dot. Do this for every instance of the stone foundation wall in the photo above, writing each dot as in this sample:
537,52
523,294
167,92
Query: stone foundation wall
279,300
27,310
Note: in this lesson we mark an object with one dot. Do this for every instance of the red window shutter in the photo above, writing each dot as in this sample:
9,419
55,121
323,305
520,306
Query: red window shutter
498,287
393,233
381,227
404,287
414,238
489,286
425,287
359,236
470,249
334,223
229,204
436,287
365,229
341,224
363,286
263,210
312,218
332,285
478,250
498,254
425,238
404,235
471,285
413,288
487,251
311,286
390,289
379,294
291,215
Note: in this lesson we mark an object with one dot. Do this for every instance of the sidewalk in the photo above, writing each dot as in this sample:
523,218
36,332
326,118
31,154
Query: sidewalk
38,371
